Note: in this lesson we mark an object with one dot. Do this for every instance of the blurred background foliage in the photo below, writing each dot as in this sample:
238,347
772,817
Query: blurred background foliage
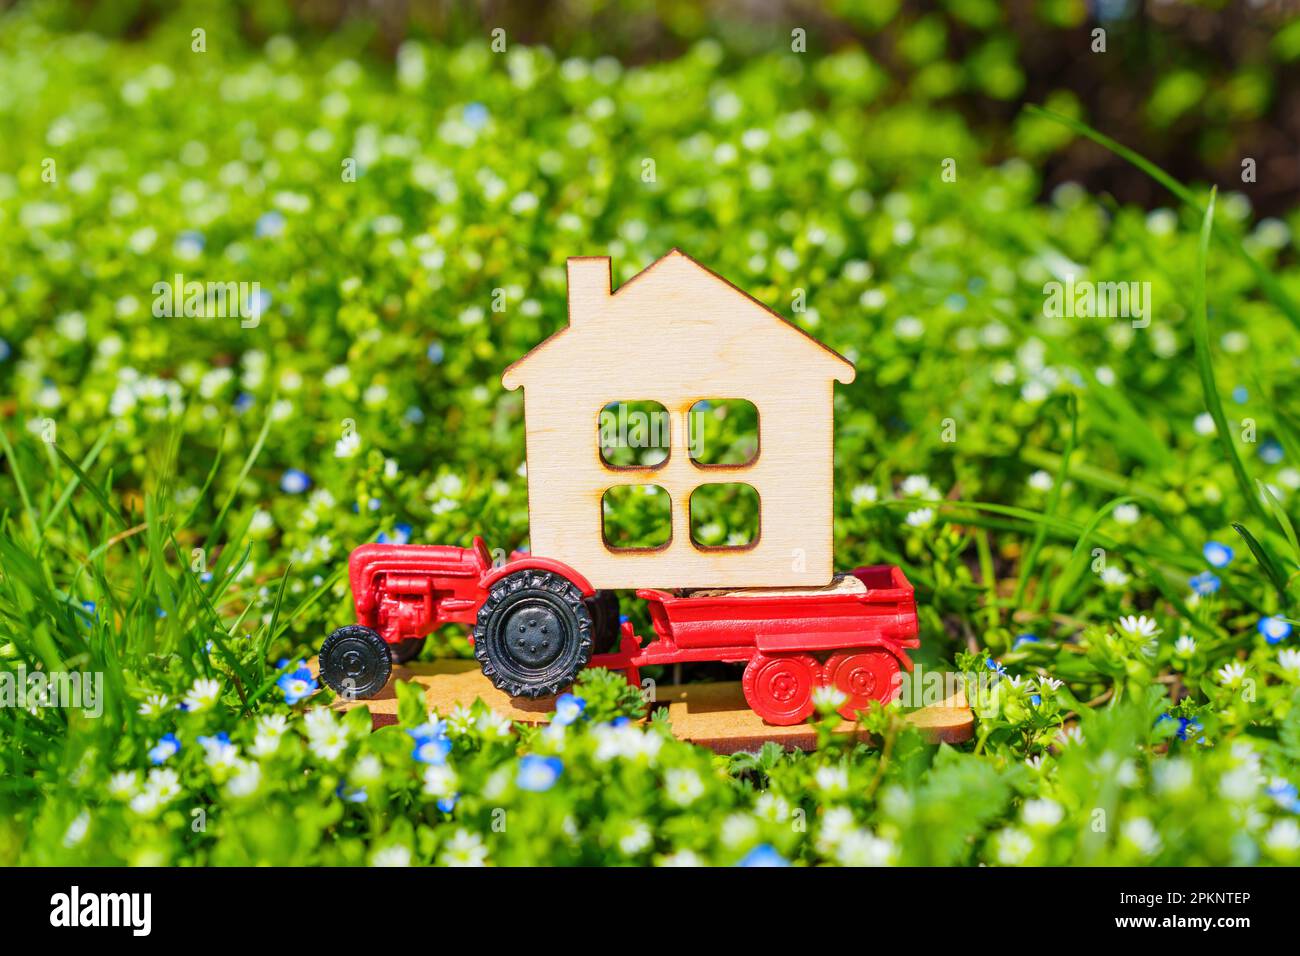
1201,84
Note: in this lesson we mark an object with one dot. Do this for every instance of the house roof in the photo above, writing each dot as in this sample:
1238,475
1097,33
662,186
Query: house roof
841,369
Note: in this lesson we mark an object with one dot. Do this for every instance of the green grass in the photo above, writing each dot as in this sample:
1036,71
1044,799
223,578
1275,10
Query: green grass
1033,476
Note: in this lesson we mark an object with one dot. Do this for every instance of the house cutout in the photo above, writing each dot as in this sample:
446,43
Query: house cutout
677,334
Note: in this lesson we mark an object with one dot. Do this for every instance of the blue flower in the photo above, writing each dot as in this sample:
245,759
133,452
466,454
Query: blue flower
1270,451
436,353
1187,728
538,773
620,721
1219,555
351,794
1205,583
448,804
763,855
190,243
295,482
414,415
205,577
243,402
1240,395
1285,794
568,708
430,728
432,750
297,685
1025,639
269,224
475,115
401,535
5,350
164,749
996,667
1036,700
1275,629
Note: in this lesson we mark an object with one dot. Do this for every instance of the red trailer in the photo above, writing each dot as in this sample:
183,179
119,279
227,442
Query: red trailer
537,622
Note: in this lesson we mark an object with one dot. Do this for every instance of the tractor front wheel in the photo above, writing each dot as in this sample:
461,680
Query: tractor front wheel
355,662
533,634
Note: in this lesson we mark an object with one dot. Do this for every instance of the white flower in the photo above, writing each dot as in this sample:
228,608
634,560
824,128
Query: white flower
326,737
1138,626
161,787
863,494
348,445
1068,736
828,699
1185,646
837,822
1289,660
493,726
1174,775
771,807
738,829
440,781
395,855
77,829
1042,814
368,769
154,705
1230,675
680,858
1113,578
464,849
1050,683
918,486
832,780
1283,838
460,720
864,848
270,729
1040,481
1204,424
1012,846
219,754
920,518
1127,513
637,839
203,693
122,785
683,787
627,741
1141,834
246,779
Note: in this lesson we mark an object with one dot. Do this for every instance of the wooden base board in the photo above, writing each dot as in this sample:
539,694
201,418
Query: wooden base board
713,715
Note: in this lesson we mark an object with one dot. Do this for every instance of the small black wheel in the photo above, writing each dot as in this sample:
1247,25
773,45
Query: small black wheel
605,625
355,662
533,634
407,650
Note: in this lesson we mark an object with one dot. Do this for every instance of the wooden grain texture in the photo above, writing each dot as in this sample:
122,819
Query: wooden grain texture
713,715
676,334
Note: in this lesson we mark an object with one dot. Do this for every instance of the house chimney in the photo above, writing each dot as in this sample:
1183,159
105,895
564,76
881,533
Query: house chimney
589,287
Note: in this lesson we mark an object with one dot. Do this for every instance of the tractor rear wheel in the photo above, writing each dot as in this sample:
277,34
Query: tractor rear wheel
779,687
355,662
533,634
864,675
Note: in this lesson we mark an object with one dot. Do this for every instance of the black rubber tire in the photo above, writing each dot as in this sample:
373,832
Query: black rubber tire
355,662
605,624
407,650
533,634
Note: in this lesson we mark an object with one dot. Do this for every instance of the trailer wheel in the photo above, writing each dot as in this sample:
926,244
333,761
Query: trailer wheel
406,650
605,623
533,634
779,687
864,675
355,662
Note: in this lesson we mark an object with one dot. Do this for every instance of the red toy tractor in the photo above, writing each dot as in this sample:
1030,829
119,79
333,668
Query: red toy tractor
537,622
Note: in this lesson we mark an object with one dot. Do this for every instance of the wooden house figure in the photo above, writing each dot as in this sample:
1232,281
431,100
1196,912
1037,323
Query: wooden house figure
677,334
